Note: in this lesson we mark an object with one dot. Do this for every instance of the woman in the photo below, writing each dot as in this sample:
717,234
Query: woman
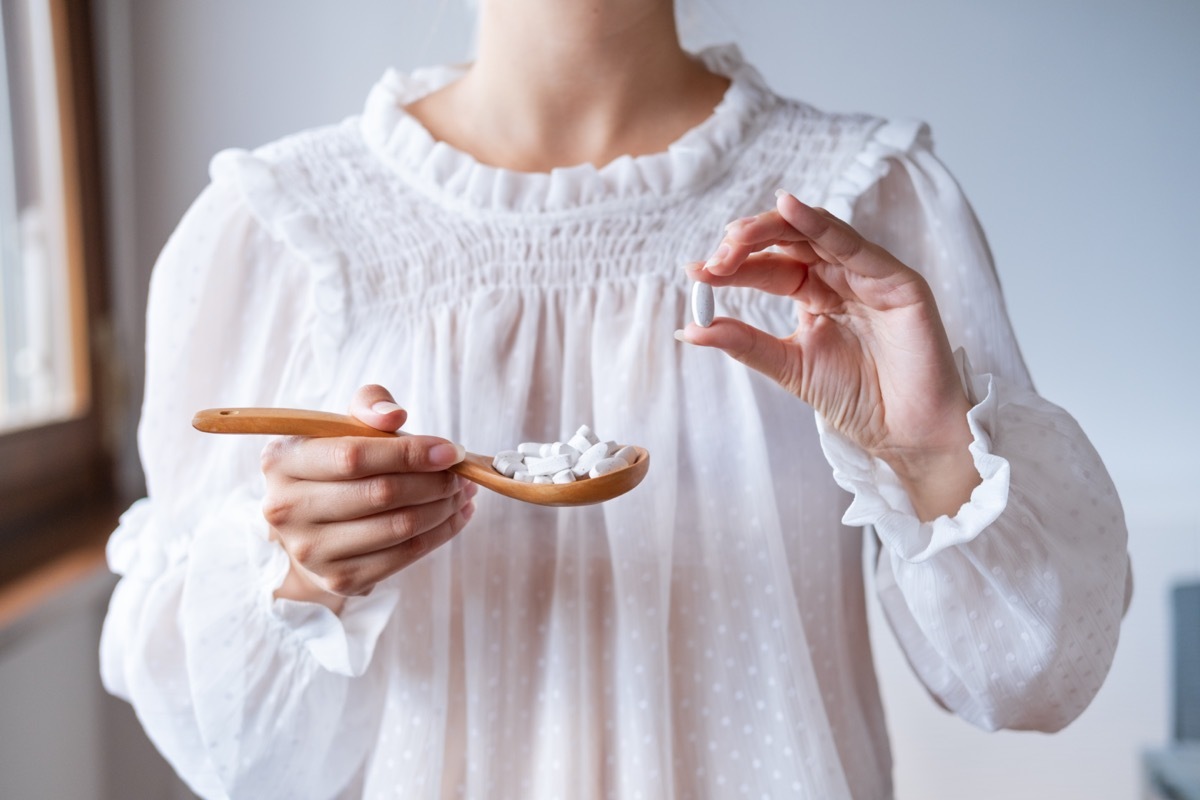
499,245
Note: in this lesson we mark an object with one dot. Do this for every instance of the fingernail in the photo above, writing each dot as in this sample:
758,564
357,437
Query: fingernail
692,265
722,251
468,511
681,336
385,407
737,223
446,454
780,192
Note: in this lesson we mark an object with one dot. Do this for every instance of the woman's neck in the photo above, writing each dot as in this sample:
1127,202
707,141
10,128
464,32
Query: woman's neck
562,82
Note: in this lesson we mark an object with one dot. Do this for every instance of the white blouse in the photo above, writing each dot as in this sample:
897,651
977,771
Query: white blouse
703,636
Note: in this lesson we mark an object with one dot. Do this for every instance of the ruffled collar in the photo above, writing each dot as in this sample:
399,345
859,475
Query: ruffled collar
456,179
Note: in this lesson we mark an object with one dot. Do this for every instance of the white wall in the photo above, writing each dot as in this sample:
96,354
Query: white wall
1073,127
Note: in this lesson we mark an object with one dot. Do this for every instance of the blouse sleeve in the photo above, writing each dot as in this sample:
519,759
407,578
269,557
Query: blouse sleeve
1008,611
245,695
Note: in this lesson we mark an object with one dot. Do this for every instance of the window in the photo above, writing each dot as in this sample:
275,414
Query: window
51,268
43,365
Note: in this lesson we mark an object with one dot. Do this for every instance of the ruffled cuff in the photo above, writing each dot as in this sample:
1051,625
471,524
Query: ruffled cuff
342,644
233,564
141,547
881,501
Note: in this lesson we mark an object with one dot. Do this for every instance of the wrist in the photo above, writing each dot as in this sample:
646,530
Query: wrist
299,586
939,480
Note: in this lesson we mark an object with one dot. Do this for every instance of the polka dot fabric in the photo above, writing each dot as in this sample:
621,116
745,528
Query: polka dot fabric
703,636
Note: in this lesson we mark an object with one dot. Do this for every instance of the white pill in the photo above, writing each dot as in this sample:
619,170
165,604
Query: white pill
544,450
563,449
566,476
508,468
529,448
522,476
605,466
583,438
549,465
610,447
589,458
506,455
628,454
703,305
543,479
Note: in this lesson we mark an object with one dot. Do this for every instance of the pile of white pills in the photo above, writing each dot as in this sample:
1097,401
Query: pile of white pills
582,456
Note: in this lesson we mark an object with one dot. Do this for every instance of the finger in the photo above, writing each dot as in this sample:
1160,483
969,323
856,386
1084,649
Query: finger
731,260
315,546
769,226
772,272
750,235
339,458
835,240
375,406
356,575
319,502
804,252
371,534
770,355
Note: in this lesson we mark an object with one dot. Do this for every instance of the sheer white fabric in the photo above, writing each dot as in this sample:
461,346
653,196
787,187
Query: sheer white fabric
703,636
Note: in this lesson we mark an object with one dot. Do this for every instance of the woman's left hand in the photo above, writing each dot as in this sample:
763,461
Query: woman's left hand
870,353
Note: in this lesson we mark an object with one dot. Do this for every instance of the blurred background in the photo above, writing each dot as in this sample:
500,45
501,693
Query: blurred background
1072,126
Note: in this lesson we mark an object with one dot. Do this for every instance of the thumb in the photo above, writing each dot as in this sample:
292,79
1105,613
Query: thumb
375,406
755,348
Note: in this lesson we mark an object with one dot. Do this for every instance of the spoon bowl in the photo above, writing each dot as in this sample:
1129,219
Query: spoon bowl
475,467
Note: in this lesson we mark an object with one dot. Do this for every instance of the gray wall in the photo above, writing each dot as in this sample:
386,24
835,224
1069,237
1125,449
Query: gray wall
1071,125
61,736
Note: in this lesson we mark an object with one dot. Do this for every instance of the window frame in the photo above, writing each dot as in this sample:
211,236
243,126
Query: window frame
54,471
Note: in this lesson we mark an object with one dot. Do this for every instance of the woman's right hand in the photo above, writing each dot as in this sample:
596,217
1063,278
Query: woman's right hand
350,511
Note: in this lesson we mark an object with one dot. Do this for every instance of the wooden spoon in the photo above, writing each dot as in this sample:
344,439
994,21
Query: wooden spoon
475,467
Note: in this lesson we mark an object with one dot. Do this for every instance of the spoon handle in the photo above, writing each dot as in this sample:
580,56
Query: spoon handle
301,422
281,422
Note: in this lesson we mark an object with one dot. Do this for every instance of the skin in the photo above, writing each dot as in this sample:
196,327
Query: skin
350,511
563,82
870,353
